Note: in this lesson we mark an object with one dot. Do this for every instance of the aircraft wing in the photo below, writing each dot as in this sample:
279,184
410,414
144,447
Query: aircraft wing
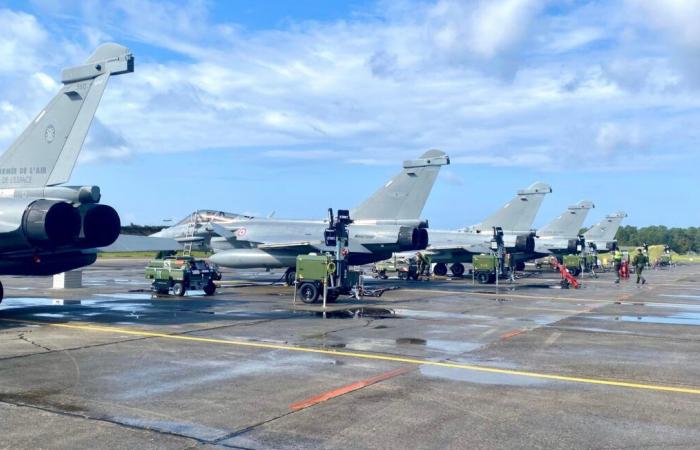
131,243
459,250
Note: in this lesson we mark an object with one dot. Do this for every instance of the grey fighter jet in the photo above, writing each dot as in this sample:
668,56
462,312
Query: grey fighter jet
515,218
601,236
561,236
46,228
387,222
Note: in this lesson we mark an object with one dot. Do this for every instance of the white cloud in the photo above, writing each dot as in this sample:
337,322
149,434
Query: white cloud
371,90
612,137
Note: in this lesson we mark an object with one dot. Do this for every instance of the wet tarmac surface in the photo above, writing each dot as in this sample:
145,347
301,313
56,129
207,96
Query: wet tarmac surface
439,364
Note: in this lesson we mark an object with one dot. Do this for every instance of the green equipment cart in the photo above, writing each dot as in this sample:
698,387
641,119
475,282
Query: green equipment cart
405,268
485,268
181,274
313,271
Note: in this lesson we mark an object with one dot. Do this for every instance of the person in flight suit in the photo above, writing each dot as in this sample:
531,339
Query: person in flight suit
640,261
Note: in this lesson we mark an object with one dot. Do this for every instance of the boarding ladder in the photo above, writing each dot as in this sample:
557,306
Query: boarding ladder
189,234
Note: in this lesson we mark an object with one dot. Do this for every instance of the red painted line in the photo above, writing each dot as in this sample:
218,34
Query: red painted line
511,334
349,388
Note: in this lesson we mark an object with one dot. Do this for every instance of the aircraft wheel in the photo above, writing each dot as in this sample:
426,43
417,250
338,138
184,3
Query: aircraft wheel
178,289
440,269
289,276
457,269
210,288
2,292
382,275
520,266
308,292
483,277
332,296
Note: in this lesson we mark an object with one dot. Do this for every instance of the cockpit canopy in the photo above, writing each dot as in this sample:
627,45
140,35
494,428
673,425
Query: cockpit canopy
209,215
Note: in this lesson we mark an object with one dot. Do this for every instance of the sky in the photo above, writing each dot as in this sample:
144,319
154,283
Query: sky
291,107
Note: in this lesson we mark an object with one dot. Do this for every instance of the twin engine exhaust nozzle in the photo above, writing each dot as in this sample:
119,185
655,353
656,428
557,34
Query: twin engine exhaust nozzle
413,238
55,223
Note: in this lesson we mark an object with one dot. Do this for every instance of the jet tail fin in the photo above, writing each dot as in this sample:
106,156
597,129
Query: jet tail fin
606,229
520,212
404,196
568,224
45,153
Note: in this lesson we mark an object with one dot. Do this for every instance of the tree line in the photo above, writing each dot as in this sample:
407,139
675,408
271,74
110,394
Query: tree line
681,240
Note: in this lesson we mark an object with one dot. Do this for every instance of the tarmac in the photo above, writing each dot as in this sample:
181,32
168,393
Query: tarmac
433,364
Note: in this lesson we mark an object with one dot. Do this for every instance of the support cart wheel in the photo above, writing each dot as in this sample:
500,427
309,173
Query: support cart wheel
178,289
308,292
289,276
483,277
440,269
210,289
457,269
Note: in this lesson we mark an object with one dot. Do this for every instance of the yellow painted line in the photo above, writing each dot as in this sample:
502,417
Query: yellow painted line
371,356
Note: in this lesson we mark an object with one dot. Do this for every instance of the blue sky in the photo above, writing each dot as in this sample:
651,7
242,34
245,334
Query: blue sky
296,106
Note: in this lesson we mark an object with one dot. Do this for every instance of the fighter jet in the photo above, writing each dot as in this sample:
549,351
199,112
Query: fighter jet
387,222
601,236
561,236
46,228
515,219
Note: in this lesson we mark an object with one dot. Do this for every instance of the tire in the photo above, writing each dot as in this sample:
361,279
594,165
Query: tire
415,276
210,289
289,276
440,269
457,269
483,277
2,292
179,289
308,292
382,275
332,296
520,266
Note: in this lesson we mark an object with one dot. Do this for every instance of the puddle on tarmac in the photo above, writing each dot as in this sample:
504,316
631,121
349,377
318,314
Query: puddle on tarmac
688,296
357,313
377,344
25,302
674,319
127,296
50,315
418,314
442,345
474,376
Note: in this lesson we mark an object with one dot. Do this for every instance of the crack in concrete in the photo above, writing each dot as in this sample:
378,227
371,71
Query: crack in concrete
118,423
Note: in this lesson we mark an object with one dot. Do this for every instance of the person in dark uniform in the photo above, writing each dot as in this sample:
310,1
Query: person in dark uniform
639,262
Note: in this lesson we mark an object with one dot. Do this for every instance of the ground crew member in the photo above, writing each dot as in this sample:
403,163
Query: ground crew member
640,261
617,263
423,265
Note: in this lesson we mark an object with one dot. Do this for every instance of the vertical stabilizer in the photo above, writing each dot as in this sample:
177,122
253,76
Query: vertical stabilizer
606,229
45,153
569,223
404,196
518,214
